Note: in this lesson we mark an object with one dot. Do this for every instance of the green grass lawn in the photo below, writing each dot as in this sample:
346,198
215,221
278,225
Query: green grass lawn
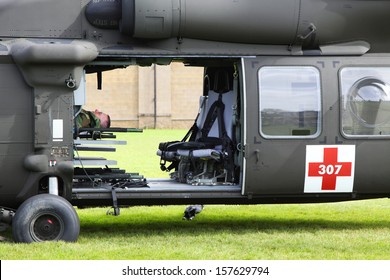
342,231
348,230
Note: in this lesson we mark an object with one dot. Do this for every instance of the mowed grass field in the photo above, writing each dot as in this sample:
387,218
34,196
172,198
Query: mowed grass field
338,231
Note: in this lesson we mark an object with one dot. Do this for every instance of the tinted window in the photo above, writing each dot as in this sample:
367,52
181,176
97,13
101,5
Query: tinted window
289,101
365,108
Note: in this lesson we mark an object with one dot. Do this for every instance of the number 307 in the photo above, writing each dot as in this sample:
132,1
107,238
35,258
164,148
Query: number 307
329,169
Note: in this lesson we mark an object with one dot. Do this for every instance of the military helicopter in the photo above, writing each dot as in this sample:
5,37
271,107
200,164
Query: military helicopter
295,105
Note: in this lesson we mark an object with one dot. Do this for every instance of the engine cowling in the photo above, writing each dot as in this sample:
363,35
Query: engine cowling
272,22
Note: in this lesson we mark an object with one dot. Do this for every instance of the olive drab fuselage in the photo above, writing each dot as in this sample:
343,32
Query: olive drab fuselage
299,96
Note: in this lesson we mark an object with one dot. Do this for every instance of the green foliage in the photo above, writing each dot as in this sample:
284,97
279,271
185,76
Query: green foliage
348,230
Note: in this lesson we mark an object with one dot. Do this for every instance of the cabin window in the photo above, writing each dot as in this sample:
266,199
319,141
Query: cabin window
365,105
290,101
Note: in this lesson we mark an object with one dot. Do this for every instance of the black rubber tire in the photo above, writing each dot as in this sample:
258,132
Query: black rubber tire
45,217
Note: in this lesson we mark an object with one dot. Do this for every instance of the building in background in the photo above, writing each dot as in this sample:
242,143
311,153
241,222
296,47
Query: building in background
148,97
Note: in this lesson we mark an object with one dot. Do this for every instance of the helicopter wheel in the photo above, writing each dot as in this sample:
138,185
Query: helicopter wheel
45,217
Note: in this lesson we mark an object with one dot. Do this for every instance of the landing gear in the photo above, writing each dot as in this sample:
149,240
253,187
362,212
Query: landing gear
45,217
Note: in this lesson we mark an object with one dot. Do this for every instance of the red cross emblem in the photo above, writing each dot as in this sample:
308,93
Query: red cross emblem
330,169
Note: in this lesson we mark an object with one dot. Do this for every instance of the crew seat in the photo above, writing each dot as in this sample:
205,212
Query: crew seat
207,158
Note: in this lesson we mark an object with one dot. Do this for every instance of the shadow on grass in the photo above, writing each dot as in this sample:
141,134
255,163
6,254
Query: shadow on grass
236,225
216,222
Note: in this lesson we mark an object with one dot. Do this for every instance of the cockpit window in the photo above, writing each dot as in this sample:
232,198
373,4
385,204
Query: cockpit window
290,101
365,101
